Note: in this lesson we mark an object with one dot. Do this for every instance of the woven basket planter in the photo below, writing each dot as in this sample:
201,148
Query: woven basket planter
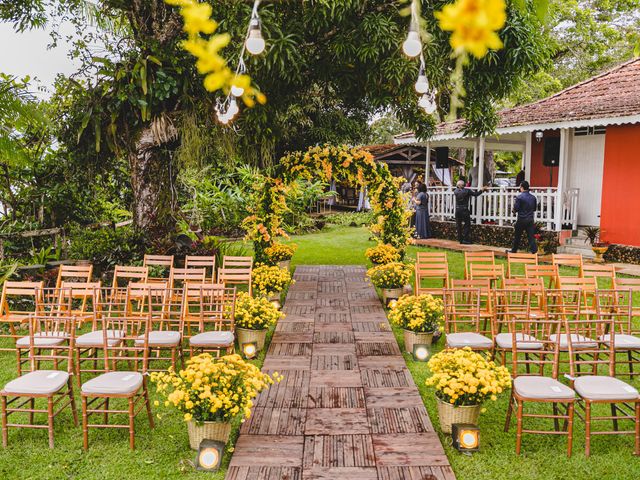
411,338
389,294
449,415
218,431
286,264
245,335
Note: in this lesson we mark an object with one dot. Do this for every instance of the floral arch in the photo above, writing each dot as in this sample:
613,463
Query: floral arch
343,164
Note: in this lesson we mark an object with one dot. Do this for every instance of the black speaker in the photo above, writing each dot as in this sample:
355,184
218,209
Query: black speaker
551,155
442,157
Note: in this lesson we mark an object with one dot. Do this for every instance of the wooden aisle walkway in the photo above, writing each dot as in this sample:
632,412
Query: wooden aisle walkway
347,407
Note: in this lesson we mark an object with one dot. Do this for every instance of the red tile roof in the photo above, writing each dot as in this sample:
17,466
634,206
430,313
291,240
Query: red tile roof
615,93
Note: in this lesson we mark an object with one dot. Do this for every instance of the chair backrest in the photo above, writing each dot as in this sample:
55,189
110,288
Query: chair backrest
209,306
616,305
485,257
158,260
74,273
82,297
515,259
180,276
20,299
236,262
534,284
549,272
587,284
632,284
482,284
123,274
495,273
157,305
589,349
567,260
53,326
423,258
606,272
462,310
198,261
235,276
436,276
534,348
510,306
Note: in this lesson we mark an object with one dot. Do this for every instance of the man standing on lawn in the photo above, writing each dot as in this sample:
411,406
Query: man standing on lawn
463,214
525,206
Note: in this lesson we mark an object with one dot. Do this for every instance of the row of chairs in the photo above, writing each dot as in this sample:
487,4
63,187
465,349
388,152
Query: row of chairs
544,333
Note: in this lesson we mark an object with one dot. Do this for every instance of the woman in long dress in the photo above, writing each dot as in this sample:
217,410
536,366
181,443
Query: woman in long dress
423,228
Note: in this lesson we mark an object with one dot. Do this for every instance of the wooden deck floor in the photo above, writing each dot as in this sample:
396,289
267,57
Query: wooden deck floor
347,407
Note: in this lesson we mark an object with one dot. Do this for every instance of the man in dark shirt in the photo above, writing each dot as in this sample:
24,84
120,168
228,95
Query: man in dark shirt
463,214
525,206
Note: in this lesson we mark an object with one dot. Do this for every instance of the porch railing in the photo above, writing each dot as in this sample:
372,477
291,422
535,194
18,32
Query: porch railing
496,205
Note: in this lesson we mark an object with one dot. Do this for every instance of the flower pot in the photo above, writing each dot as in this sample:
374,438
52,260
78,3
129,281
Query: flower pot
599,251
448,415
246,335
218,431
407,290
389,294
411,338
286,264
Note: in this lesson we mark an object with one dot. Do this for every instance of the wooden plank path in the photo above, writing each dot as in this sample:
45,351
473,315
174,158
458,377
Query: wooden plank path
347,407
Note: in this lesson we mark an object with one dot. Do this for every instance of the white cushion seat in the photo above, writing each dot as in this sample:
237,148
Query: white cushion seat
577,341
40,382
44,339
523,341
543,388
161,338
212,339
95,338
117,383
597,387
622,341
468,339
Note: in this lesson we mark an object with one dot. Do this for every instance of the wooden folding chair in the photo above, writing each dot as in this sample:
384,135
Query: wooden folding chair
74,274
587,287
463,321
484,258
123,275
548,273
18,301
632,285
535,380
19,396
229,261
434,275
536,287
236,276
209,309
79,298
605,272
494,273
517,259
439,258
114,384
208,263
180,276
587,361
158,263
617,305
567,260
487,311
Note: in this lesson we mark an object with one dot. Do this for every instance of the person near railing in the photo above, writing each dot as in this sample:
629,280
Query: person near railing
421,200
463,213
525,206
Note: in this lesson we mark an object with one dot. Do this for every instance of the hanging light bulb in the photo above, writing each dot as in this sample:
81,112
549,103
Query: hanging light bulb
255,43
233,108
431,107
412,45
422,84
237,91
424,101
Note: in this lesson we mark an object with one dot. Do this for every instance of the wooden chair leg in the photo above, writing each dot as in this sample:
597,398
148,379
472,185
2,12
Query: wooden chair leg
50,419
5,428
556,421
106,411
132,433
519,427
587,428
72,403
147,403
85,423
173,357
614,413
19,361
32,406
507,423
570,413
637,452
630,358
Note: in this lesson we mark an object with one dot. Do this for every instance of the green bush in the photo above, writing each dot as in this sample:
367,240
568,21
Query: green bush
351,219
106,247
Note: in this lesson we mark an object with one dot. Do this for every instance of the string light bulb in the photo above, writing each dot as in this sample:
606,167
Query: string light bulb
233,109
412,45
424,101
422,84
255,43
431,107
237,91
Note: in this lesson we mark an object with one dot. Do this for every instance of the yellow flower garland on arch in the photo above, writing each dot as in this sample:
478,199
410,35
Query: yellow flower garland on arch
329,162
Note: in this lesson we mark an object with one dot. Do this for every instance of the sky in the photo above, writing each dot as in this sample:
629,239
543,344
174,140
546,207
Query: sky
26,53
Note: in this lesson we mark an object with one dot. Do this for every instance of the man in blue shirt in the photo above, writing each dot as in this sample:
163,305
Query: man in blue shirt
525,206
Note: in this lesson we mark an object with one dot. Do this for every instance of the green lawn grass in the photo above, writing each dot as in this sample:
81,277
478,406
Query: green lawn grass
164,451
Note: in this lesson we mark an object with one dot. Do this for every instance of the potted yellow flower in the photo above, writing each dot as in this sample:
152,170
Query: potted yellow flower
211,393
418,316
382,253
391,278
281,254
253,316
270,281
463,379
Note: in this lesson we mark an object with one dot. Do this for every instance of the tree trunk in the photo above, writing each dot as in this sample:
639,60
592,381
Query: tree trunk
152,178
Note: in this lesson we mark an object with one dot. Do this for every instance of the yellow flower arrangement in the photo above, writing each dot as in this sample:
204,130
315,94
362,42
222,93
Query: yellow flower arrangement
279,252
422,313
463,377
382,253
208,390
474,24
268,281
390,275
255,313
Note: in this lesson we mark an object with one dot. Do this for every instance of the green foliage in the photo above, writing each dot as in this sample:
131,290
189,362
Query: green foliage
44,255
384,128
351,219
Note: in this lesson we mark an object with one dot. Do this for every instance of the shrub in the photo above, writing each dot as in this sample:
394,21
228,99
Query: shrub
269,281
279,252
351,219
382,253
255,313
390,275
421,313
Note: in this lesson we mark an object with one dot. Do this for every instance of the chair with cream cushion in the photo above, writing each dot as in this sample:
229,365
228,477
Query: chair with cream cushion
463,320
29,297
19,396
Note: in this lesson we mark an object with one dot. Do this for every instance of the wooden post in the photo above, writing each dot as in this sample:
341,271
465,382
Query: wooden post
427,164
562,167
526,157
479,200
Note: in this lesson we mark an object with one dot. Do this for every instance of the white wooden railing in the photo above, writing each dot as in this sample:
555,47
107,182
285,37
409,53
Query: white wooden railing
496,205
